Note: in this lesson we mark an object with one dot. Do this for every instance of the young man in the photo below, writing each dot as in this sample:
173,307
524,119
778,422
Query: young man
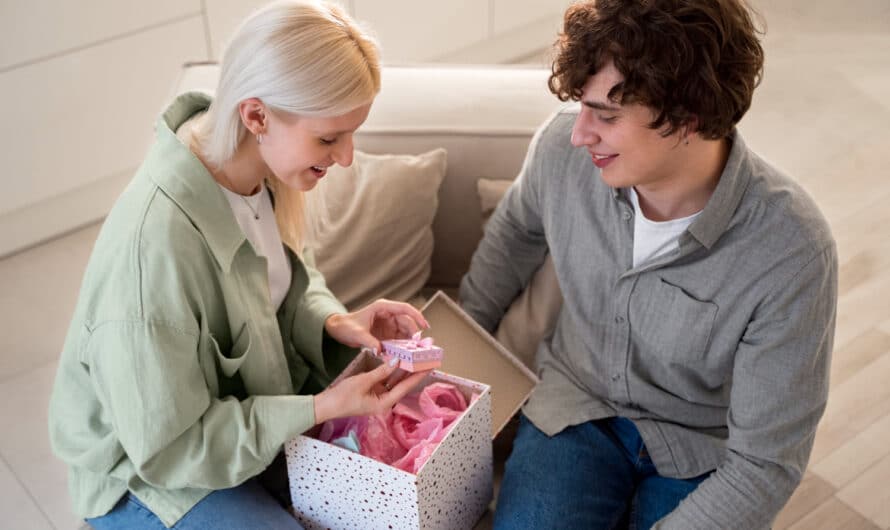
688,369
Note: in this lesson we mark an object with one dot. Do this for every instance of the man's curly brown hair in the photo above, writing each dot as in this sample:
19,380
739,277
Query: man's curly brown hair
683,58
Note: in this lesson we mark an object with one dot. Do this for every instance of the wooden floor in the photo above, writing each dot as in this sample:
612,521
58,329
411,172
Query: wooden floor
822,114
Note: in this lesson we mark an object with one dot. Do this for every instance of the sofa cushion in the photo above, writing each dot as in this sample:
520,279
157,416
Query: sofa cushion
370,225
484,116
532,315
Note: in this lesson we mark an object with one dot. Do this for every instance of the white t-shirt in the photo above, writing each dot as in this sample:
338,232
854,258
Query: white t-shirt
653,239
263,234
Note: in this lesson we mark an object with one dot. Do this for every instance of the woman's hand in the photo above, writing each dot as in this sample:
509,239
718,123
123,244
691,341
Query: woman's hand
380,320
364,394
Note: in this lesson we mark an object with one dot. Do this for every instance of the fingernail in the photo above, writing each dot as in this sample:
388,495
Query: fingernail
374,351
394,361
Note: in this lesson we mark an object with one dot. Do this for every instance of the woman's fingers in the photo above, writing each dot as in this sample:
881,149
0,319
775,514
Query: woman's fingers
406,325
401,389
367,339
380,320
400,308
370,392
390,383
385,327
395,377
380,374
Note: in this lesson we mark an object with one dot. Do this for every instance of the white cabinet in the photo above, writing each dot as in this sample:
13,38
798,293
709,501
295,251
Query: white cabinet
84,82
461,31
37,29
509,15
75,121
423,30
89,114
223,17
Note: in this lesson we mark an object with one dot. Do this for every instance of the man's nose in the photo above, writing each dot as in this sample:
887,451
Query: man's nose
584,131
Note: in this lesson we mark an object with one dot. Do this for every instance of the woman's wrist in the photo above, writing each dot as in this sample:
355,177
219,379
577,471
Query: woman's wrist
323,407
333,322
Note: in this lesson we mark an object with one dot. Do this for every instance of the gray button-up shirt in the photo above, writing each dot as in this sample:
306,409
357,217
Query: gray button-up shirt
718,351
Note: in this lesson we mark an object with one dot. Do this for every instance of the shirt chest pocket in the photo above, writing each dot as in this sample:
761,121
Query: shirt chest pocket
229,362
670,324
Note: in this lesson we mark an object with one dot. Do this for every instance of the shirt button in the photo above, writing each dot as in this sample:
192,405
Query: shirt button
616,377
619,319
626,216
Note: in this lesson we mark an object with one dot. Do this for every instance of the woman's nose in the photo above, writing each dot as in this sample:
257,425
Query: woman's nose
343,151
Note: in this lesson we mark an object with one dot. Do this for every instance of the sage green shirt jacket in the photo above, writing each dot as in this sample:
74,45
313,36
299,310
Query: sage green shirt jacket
178,376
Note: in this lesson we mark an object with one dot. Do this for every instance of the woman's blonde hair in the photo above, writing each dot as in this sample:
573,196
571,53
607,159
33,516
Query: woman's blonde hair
299,57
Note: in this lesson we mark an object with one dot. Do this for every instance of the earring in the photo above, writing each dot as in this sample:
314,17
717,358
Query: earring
259,138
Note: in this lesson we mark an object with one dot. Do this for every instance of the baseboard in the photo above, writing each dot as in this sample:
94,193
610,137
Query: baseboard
36,223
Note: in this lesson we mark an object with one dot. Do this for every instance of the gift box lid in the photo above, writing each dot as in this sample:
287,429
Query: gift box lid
472,353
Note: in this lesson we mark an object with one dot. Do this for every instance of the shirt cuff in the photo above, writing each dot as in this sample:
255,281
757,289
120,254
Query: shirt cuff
283,418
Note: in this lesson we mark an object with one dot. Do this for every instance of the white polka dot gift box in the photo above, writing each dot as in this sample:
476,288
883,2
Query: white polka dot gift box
333,487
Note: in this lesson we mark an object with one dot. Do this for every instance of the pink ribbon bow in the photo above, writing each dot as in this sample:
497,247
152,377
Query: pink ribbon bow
417,342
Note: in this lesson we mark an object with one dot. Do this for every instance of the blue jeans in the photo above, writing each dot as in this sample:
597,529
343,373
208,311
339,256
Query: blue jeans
594,475
257,504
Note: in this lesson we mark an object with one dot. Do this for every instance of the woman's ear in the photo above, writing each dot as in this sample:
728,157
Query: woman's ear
253,115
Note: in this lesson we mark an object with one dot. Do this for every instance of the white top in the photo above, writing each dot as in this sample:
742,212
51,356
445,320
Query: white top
263,234
652,238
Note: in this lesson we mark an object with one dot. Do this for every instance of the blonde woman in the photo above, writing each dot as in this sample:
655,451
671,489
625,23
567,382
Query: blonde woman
200,342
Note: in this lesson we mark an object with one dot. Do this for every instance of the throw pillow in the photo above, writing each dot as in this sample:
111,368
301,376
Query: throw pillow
370,225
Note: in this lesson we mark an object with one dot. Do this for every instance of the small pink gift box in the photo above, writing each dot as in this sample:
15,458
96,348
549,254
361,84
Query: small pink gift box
414,354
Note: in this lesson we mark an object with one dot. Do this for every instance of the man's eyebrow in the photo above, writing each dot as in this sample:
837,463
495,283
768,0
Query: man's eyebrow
600,106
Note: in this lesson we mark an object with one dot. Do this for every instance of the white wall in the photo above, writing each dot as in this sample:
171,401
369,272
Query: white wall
82,83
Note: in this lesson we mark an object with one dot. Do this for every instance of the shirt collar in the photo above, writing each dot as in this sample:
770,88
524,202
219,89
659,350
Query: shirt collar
718,212
183,178
721,207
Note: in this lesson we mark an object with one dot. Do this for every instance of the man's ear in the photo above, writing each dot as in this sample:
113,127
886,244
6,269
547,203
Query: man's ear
691,126
253,115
